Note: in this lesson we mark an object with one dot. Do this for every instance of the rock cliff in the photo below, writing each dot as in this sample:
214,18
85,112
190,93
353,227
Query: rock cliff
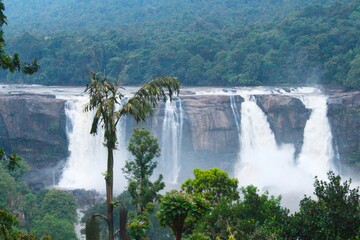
344,117
33,126
210,125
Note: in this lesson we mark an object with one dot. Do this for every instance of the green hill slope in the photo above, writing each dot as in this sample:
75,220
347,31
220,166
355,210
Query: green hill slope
202,42
49,16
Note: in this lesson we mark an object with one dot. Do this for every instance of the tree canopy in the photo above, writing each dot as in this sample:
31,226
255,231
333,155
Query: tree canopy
214,185
201,42
8,62
335,214
181,212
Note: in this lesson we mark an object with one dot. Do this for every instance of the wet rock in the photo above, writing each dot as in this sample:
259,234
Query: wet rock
287,117
344,117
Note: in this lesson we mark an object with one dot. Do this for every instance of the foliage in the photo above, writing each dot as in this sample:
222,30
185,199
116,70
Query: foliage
353,78
8,62
56,208
204,43
8,191
59,204
30,208
12,160
253,215
144,148
335,214
48,210
7,223
153,229
143,192
139,225
181,212
58,229
15,200
214,185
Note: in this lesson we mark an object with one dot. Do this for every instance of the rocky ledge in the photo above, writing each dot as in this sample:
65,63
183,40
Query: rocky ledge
344,117
34,127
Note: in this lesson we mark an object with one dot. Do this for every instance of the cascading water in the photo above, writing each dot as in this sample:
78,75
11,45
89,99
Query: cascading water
171,140
261,161
236,112
237,118
271,167
317,151
87,161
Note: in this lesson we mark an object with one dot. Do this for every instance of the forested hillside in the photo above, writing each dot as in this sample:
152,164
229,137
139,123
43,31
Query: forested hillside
231,42
45,16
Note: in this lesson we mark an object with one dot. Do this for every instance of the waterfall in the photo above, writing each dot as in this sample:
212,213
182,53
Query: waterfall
237,118
87,161
337,158
271,167
171,140
236,113
317,152
260,162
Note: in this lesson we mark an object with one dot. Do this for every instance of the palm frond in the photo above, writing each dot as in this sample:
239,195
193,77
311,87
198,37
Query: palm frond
148,97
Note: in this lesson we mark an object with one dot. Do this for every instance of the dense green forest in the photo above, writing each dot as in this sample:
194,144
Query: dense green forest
263,42
26,215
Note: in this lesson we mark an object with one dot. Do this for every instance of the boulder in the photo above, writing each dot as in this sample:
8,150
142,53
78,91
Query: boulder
287,117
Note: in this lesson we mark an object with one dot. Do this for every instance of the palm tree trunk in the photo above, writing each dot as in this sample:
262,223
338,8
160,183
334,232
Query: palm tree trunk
109,192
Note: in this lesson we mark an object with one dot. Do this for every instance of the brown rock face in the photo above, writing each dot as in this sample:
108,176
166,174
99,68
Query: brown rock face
344,117
211,122
211,135
33,126
287,117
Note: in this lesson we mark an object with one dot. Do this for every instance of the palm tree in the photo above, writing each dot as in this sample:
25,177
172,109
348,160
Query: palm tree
104,97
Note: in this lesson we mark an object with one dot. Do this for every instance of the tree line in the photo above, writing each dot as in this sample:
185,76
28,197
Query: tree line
219,43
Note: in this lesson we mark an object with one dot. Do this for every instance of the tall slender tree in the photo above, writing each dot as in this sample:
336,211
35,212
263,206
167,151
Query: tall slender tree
104,97
139,170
